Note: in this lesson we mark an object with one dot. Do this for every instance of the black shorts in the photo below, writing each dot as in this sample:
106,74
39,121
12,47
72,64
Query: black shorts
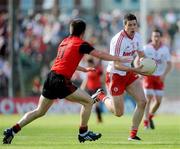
57,86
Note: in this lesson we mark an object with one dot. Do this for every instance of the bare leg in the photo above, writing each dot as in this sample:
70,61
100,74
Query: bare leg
156,105
147,109
83,98
43,105
115,105
135,89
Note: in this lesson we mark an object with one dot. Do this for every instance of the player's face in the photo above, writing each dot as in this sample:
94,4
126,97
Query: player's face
156,38
131,27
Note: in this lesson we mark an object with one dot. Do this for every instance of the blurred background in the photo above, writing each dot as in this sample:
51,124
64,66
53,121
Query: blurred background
30,31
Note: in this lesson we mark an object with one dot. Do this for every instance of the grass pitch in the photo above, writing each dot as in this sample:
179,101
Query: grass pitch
60,132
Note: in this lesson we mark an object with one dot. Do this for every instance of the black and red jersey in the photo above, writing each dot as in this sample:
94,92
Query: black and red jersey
70,52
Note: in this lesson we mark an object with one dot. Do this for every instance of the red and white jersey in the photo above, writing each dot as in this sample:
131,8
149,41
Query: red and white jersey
122,45
160,55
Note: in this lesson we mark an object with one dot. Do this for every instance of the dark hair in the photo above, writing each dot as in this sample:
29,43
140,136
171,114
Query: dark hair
129,17
77,27
157,30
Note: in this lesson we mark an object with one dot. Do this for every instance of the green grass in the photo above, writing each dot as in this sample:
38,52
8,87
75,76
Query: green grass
60,132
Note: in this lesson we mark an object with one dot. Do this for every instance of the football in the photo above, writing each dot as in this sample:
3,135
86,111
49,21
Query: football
149,66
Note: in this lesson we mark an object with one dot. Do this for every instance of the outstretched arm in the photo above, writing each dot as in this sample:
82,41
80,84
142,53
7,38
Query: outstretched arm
121,67
107,57
84,69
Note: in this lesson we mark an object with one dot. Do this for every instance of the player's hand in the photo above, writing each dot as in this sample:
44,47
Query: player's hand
126,59
139,70
90,69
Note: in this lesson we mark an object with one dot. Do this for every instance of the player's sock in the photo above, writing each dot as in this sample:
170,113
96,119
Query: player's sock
102,97
151,123
133,133
146,123
83,129
16,128
151,115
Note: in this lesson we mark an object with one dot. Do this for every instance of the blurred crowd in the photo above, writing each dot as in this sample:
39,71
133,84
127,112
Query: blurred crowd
38,36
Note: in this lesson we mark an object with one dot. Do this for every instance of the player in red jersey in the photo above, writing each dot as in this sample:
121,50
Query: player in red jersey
58,83
93,82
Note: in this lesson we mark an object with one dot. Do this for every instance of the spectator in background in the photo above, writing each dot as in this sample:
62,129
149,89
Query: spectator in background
3,84
3,36
36,86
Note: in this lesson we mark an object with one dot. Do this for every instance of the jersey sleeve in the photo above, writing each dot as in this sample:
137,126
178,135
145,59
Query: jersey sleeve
85,48
117,47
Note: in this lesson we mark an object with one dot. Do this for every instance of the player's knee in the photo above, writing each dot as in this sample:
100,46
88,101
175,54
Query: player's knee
142,103
88,104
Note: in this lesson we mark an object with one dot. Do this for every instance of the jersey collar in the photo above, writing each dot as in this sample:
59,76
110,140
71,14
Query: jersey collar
126,34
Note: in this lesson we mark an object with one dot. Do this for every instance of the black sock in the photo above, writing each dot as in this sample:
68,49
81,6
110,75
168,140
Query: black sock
83,129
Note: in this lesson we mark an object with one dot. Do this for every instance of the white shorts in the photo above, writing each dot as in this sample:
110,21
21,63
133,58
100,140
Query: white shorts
154,92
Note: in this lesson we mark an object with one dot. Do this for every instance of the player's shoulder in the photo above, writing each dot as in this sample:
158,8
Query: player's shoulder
117,36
